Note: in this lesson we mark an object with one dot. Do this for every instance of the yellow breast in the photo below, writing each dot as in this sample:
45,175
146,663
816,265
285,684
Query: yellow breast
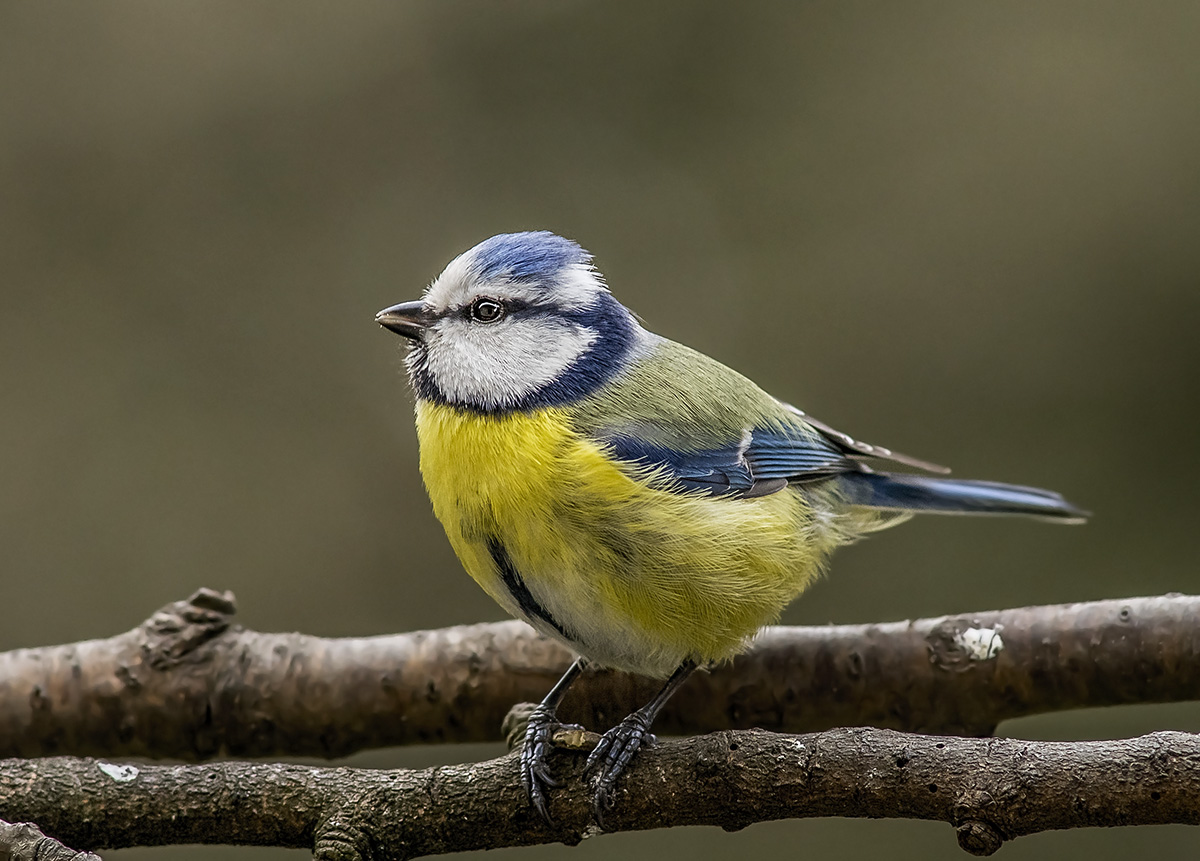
586,550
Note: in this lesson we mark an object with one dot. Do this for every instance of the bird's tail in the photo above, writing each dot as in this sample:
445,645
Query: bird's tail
919,493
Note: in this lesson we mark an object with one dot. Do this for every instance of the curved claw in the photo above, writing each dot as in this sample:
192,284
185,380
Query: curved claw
609,758
535,772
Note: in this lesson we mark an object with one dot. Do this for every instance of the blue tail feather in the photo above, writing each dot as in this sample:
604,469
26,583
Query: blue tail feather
901,492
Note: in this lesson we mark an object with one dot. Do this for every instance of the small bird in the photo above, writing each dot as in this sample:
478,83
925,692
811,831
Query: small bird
626,495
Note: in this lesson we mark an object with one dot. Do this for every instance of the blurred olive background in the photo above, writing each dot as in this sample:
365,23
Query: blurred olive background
969,231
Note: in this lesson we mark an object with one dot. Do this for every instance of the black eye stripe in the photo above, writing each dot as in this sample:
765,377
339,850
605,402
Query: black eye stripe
511,307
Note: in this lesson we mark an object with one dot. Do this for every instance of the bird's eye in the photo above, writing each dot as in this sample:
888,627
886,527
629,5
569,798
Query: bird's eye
486,310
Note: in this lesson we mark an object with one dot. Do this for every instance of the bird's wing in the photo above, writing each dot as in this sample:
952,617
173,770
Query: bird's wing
857,448
691,420
762,461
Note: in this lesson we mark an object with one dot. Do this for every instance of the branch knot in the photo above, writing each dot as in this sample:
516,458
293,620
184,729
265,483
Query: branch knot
978,837
338,840
179,629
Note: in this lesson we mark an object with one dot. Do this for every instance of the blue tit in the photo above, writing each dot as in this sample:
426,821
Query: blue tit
624,494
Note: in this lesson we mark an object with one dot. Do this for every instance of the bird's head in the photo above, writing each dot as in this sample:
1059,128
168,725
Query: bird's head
520,321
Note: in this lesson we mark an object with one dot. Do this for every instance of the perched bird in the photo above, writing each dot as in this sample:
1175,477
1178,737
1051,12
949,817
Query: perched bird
624,494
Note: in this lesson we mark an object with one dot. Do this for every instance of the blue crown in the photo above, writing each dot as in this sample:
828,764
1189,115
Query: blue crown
531,256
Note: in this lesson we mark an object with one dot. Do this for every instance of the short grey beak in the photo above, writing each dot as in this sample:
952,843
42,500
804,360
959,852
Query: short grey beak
407,319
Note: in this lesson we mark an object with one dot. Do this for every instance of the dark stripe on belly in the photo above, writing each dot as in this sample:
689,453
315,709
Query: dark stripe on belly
516,586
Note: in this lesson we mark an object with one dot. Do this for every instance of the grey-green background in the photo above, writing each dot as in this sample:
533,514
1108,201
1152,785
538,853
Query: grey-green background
970,231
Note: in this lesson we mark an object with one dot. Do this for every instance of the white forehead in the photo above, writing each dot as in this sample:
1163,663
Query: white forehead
573,285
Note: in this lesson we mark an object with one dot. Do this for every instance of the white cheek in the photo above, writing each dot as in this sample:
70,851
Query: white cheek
496,366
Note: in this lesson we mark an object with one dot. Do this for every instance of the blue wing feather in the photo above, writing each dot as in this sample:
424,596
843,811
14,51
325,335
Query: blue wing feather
762,462
767,461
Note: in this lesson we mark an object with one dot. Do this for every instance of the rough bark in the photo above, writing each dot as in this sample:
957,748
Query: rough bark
22,841
990,790
189,684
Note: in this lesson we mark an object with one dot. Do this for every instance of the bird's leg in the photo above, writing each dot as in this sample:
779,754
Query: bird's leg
619,744
543,721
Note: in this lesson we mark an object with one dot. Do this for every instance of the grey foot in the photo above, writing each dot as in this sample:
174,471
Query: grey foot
611,755
535,771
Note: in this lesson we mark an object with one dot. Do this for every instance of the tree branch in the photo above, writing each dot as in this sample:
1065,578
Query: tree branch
23,841
189,684
990,790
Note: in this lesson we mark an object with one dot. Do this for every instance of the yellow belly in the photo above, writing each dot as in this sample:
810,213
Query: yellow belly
630,576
